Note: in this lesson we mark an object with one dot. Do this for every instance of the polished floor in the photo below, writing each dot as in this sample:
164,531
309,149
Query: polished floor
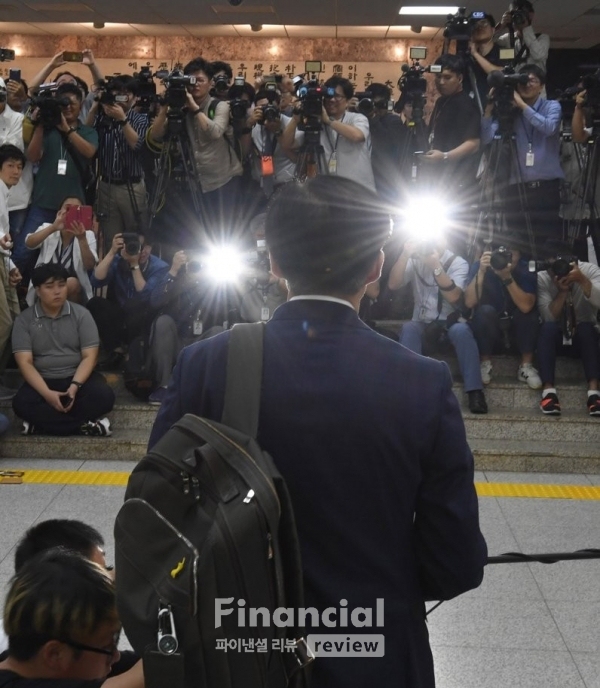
530,625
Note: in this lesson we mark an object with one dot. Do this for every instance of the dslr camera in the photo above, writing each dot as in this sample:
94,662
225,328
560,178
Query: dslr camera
501,258
520,15
132,243
49,105
270,113
561,266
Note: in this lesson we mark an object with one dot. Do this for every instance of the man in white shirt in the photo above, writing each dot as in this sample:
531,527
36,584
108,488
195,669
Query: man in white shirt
530,48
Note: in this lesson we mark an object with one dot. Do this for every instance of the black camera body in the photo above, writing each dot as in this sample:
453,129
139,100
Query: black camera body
311,96
221,85
132,243
501,258
560,266
238,108
366,104
459,26
270,113
50,106
176,83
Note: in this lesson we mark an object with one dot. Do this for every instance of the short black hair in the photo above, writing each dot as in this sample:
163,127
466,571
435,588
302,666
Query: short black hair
452,63
379,91
325,234
123,82
199,64
48,271
272,96
69,89
220,66
10,152
535,70
346,84
236,91
57,532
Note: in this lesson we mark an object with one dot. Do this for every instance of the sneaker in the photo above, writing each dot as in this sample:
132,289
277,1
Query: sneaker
486,372
527,373
96,428
594,404
28,428
477,403
550,405
158,396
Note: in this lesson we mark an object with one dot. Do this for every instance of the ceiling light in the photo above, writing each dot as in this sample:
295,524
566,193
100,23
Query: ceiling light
413,9
99,24
416,28
256,27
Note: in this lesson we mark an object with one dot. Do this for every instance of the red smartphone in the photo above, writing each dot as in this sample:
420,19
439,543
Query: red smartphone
79,213
69,56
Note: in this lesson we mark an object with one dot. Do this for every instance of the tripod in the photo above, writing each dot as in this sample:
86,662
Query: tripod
586,203
416,140
311,158
492,201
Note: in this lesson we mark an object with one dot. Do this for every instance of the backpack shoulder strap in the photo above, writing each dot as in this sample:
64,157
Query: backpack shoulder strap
244,378
212,108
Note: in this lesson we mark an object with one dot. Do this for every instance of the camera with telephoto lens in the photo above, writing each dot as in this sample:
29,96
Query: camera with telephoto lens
520,15
49,105
560,266
132,243
366,104
220,85
501,258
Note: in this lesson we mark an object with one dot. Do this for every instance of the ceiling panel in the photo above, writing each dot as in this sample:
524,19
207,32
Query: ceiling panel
201,30
312,31
160,29
362,31
268,31
112,29
25,28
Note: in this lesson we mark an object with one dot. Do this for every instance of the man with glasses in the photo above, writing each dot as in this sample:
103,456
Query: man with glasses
345,136
63,628
64,154
536,172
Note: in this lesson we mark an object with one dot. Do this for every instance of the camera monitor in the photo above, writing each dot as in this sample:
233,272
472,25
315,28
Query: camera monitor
313,66
417,53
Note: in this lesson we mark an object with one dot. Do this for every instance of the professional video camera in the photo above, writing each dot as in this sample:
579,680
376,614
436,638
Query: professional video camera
504,84
590,83
176,83
106,96
311,95
6,55
49,105
561,266
459,26
412,82
146,90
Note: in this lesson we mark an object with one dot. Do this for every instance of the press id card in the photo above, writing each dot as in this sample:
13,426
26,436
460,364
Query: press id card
529,157
62,167
333,164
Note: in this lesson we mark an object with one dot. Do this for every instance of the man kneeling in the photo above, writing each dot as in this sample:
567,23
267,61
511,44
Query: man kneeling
55,343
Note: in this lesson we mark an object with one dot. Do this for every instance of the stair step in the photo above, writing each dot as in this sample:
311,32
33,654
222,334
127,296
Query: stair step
508,393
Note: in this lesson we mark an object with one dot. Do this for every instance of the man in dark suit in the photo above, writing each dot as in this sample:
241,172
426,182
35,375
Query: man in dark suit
367,434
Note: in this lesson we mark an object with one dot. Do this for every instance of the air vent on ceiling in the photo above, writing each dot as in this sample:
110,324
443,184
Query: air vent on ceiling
244,9
59,7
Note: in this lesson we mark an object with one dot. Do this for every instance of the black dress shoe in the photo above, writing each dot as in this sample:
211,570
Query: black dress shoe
477,403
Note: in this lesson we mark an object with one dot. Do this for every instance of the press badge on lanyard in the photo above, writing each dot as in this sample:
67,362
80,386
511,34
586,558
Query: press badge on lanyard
62,167
333,163
529,156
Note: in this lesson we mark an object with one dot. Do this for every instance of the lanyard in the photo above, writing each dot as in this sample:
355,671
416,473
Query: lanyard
523,122
337,138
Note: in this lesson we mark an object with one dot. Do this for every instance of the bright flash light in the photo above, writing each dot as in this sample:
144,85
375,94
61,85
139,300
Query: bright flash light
224,264
425,219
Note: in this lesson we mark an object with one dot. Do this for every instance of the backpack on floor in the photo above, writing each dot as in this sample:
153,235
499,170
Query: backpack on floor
208,517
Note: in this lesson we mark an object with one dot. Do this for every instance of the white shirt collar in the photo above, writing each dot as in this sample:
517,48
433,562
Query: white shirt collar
322,297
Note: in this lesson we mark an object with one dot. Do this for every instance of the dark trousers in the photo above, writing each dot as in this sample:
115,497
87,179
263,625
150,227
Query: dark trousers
94,400
543,204
116,326
585,343
524,327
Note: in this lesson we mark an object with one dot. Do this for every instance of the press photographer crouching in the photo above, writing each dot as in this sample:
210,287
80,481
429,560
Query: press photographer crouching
502,293
125,317
438,278
569,301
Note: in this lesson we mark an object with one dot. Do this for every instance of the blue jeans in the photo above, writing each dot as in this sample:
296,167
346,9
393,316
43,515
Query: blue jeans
463,341
585,343
486,328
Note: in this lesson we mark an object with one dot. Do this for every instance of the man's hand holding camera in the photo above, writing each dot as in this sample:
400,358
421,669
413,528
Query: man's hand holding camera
115,112
575,276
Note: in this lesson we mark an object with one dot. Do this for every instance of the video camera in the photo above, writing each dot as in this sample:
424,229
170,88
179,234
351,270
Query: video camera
561,266
311,96
590,83
412,83
146,89
107,97
49,105
6,55
459,27
504,83
176,83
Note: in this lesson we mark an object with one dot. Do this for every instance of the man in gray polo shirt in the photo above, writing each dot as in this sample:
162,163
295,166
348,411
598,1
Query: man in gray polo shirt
55,343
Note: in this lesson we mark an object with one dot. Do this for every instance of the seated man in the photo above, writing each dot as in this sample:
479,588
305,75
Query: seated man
73,247
502,292
569,300
55,343
63,629
438,278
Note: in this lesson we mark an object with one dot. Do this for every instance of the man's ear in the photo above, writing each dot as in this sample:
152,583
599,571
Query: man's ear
56,656
275,269
375,272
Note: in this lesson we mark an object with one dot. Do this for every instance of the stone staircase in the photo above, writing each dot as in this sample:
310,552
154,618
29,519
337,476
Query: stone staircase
513,436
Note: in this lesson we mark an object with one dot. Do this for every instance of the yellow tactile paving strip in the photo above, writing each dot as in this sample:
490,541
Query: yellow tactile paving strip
119,479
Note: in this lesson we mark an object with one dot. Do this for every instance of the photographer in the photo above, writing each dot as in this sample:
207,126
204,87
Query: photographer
64,149
388,141
537,165
438,278
345,136
454,132
211,138
272,165
581,124
485,54
502,292
131,273
121,203
530,48
221,79
569,301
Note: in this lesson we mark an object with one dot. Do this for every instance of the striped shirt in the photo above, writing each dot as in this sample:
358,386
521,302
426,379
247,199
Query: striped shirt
117,161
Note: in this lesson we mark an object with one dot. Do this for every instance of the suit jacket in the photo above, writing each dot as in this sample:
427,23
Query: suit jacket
371,442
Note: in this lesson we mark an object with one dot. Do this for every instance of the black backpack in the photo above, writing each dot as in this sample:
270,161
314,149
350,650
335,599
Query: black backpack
207,515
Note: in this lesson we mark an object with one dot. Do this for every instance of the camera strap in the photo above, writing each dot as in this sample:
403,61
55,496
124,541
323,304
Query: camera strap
445,267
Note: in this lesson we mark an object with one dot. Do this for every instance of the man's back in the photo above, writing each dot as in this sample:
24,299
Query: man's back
370,441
